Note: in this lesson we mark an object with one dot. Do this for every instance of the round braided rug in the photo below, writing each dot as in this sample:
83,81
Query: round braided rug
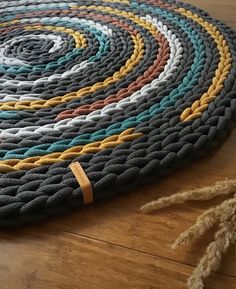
129,89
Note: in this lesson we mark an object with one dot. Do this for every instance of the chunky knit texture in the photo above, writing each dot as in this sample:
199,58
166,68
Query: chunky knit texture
130,89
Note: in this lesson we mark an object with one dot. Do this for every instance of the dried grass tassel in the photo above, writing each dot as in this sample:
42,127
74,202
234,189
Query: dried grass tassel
210,262
205,221
225,187
224,215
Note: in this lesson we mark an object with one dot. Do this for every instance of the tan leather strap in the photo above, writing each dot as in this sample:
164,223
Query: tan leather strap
83,181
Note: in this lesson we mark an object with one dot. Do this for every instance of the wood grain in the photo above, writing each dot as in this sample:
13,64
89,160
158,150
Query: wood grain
111,244
58,260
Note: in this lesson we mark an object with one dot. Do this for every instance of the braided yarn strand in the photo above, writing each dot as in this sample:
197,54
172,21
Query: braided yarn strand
129,89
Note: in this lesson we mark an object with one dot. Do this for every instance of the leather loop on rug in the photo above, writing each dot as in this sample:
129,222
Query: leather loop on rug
83,181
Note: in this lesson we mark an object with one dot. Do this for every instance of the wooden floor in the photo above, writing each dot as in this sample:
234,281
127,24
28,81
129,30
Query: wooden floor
111,244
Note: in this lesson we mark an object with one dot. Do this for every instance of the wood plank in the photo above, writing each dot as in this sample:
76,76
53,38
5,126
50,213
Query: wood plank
57,260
